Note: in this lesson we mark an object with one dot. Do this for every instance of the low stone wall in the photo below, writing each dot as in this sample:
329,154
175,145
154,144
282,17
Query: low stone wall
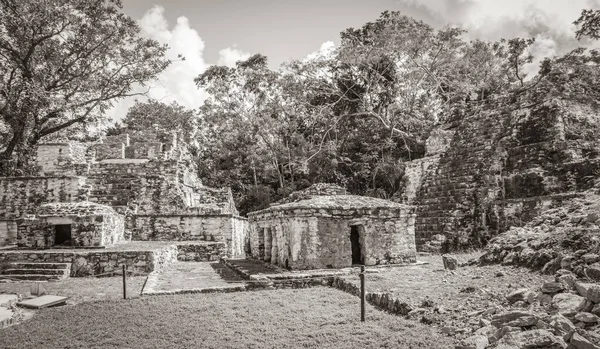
201,252
84,263
228,229
382,300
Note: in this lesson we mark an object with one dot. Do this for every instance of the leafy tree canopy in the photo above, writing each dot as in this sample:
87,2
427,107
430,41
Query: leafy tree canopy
63,63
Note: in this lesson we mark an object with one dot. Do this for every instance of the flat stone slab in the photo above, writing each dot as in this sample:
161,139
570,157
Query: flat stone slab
6,317
43,302
192,277
6,300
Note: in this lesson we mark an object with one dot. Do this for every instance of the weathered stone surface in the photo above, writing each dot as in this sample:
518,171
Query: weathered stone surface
500,320
450,262
579,342
567,262
568,304
593,293
501,332
6,317
522,294
562,326
6,300
552,287
533,339
112,191
593,272
583,287
596,310
474,342
587,317
589,258
314,233
567,279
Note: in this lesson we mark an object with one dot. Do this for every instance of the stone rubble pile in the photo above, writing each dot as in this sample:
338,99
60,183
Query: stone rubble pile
564,313
572,243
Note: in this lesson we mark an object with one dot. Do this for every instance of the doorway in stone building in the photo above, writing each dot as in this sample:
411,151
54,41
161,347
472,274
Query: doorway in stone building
62,234
355,242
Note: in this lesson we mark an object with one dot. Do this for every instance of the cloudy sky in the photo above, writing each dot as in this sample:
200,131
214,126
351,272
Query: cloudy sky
223,31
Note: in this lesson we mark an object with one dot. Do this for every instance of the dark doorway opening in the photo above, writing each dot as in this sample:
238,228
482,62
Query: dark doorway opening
62,234
357,257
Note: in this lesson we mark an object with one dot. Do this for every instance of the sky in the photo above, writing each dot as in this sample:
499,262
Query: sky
222,32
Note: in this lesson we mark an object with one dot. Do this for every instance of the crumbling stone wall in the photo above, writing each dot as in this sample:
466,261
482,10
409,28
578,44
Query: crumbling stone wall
8,232
309,238
227,229
416,170
86,263
91,225
201,252
59,158
23,195
500,169
149,179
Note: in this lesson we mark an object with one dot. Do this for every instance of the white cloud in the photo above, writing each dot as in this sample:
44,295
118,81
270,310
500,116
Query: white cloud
176,82
550,22
324,51
230,55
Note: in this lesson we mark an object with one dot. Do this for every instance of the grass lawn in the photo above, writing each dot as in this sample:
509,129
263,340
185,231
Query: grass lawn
82,289
307,318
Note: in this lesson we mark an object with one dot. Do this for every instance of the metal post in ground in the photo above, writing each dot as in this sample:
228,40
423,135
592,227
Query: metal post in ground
124,281
362,293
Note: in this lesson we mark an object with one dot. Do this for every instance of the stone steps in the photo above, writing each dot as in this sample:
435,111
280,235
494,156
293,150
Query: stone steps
40,265
32,271
32,277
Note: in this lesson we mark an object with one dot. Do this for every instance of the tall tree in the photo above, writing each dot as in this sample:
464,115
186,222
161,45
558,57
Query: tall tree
163,118
64,62
589,24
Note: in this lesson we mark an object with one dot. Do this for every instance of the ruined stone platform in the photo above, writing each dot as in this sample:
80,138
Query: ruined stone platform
193,277
140,257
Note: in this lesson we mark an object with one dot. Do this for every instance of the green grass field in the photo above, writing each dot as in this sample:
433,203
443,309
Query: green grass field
307,318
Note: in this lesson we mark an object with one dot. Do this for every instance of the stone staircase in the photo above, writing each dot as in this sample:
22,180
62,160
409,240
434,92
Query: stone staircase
449,198
36,271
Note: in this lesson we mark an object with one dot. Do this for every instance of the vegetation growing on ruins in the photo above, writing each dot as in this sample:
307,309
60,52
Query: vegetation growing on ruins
351,116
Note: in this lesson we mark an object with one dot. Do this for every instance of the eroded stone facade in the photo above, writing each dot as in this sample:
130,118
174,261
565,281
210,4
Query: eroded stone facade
499,169
333,231
148,182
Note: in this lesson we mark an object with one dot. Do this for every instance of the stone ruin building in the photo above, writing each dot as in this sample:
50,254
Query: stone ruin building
323,227
493,168
129,188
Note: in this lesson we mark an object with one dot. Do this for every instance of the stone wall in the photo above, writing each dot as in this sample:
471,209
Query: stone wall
230,230
8,232
59,158
207,252
320,238
90,224
500,169
23,195
86,231
84,263
152,187
414,173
